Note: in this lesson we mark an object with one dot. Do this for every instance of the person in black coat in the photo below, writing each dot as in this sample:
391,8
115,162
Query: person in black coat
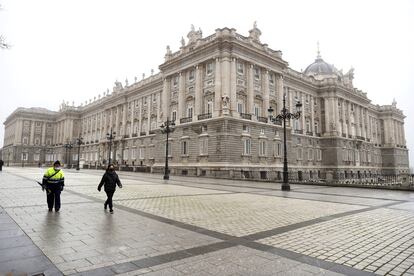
1,164
109,180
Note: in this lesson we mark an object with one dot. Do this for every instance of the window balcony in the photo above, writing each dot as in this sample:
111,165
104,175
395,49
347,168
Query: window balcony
344,135
310,133
142,133
126,136
152,131
134,135
262,119
246,116
186,120
204,116
298,131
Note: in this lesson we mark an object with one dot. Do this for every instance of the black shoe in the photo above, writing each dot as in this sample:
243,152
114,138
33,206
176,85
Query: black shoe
111,211
50,209
57,210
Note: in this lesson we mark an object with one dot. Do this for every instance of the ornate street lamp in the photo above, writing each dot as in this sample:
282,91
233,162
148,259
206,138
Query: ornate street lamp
285,114
167,127
68,146
110,136
79,142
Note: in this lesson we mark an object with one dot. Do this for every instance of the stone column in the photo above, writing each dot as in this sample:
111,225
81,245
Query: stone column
358,119
250,90
17,130
198,108
181,97
158,119
344,126
280,91
233,87
335,110
43,134
111,119
124,119
312,107
118,119
140,116
403,134
266,94
149,104
132,118
217,89
32,131
363,131
225,76
326,104
302,116
165,99
289,106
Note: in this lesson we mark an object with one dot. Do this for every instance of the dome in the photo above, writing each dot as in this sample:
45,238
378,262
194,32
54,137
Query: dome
320,67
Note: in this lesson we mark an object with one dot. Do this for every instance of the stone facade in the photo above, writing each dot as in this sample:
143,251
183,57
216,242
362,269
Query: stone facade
218,89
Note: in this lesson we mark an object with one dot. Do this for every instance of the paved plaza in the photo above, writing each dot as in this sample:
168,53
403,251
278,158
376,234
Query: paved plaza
201,226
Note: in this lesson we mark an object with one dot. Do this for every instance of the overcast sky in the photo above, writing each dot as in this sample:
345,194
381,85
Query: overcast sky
75,50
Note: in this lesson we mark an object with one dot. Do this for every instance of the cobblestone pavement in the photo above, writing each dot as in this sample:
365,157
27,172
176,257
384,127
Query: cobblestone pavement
200,226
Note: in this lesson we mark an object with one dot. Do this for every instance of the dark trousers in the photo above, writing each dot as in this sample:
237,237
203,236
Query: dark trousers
53,197
108,201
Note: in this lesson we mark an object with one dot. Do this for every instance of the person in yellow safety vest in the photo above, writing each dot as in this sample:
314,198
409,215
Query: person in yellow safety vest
53,182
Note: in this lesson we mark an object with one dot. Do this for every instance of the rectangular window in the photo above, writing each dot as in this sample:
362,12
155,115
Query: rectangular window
256,111
184,147
240,68
210,106
174,116
316,128
190,111
24,156
271,78
240,107
257,73
141,153
247,147
209,68
310,154
300,153
262,148
36,157
126,154
203,145
151,152
175,81
191,75
278,149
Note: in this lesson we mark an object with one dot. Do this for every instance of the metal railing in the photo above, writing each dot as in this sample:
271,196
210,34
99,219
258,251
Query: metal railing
186,120
204,116
246,116
262,119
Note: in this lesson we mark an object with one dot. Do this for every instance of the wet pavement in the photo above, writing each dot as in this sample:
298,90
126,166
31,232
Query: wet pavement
201,226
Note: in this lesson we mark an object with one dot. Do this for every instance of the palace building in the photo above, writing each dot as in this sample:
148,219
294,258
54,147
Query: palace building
218,90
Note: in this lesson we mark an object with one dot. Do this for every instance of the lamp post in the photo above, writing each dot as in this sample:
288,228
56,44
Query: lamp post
79,142
167,127
285,114
68,146
110,136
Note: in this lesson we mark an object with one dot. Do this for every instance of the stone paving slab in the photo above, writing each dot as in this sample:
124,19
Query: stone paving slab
18,254
380,241
237,214
200,226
